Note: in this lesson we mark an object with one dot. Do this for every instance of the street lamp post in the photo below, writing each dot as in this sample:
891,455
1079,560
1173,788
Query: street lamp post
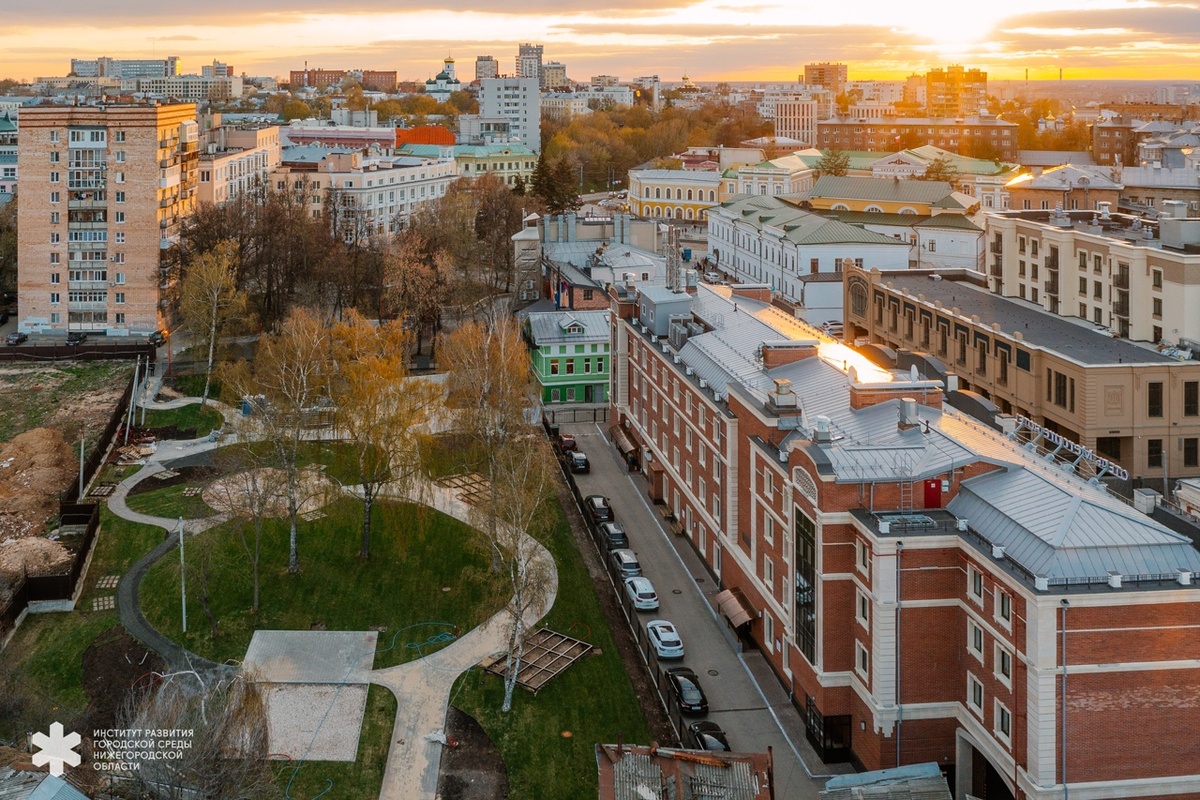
182,577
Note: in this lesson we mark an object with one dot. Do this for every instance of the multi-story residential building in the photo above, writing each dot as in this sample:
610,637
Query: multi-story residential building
602,81
105,67
877,92
362,196
831,76
797,253
564,104
979,136
1126,402
476,129
216,70
104,191
315,78
1177,113
529,62
907,572
8,157
378,80
796,118
236,160
1067,186
554,76
194,88
605,97
1117,140
570,260
326,132
955,92
517,100
486,67
511,163
1135,277
685,194
570,352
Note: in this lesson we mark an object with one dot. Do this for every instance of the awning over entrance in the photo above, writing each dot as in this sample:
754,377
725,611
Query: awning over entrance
735,607
622,441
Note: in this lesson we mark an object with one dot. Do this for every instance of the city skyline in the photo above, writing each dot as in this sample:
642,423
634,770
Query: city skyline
708,40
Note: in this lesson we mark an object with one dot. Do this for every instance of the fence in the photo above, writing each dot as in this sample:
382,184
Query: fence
557,416
95,458
62,352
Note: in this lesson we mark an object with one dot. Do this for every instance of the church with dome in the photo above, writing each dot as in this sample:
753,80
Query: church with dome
440,86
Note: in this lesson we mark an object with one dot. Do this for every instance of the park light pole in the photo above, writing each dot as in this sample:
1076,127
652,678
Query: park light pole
182,577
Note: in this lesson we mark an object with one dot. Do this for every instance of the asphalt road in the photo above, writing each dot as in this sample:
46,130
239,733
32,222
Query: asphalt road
756,714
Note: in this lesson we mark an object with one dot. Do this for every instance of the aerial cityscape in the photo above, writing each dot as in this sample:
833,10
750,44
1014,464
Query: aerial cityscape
622,401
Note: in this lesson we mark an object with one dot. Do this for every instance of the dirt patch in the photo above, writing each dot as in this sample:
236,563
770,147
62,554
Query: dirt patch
238,494
31,555
643,687
68,396
113,664
34,467
474,770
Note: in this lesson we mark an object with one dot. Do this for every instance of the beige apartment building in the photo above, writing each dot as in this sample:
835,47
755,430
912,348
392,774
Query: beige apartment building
104,190
1139,278
237,159
1123,401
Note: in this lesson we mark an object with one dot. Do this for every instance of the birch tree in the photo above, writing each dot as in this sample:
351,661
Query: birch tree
210,303
380,406
252,493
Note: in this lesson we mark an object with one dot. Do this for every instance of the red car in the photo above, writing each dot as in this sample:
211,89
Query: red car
567,443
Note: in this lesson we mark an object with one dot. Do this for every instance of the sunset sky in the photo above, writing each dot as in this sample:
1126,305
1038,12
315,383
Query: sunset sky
706,39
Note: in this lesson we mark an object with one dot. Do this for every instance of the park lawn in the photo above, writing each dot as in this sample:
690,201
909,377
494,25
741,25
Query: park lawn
351,781
446,454
169,502
192,417
193,385
46,654
593,699
415,552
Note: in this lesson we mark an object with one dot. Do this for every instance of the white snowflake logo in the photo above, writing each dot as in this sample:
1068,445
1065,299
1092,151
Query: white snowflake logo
56,749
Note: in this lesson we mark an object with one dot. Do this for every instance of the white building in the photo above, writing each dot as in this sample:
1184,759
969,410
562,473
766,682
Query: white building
565,104
486,67
788,174
519,101
796,118
607,96
193,88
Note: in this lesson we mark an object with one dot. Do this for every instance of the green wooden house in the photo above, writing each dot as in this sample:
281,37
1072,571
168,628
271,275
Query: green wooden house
570,352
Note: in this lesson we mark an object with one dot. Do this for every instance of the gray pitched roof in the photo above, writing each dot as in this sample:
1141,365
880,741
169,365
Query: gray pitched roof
881,189
551,327
799,226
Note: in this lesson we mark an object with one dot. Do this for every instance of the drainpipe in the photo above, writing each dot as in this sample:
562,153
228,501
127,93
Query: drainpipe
1063,716
899,708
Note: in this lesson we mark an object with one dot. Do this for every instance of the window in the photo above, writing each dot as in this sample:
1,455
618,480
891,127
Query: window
1083,287
55,197
975,695
1002,665
587,294
975,585
120,197
554,366
120,156
975,639
120,317
1156,306
862,660
120,237
1154,399
1003,722
1190,454
120,278
769,630
54,277
1154,453
54,136
119,217
1156,278
570,394
54,298
768,528
864,557
118,136
768,573
54,258
1004,608
570,366
863,611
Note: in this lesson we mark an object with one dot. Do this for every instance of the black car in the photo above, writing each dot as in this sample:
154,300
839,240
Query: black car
705,735
17,338
578,461
77,337
598,508
685,688
613,535
158,338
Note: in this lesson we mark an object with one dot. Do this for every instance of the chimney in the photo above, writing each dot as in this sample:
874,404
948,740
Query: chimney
822,434
1185,577
782,400
776,354
908,414
1114,580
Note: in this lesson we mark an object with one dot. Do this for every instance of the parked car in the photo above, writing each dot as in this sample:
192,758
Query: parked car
77,337
578,462
706,735
17,338
613,535
665,639
158,338
641,593
598,508
685,687
626,562
3,315
567,443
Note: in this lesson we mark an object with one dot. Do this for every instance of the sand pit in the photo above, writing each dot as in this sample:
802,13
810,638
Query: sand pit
34,467
244,493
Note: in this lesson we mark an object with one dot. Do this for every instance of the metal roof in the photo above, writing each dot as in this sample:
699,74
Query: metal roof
21,785
1070,339
551,327
688,175
800,226
882,190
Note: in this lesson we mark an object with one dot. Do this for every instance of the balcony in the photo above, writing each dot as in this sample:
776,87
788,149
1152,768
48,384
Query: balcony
1121,279
1121,308
86,286
89,203
1051,286
997,270
996,247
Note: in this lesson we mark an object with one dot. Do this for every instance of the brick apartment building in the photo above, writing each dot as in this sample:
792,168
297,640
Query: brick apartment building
910,574
978,136
104,190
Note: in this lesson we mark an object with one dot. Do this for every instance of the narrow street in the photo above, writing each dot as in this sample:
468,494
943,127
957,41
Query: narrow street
744,697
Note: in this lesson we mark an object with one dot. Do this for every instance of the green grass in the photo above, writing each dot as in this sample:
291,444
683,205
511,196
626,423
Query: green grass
46,654
593,699
193,385
112,473
193,417
169,502
32,401
449,454
354,781
415,553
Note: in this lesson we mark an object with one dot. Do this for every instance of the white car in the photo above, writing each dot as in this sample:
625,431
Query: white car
665,639
641,593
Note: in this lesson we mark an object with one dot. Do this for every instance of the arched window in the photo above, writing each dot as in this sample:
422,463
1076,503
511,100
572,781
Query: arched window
840,207
874,210
678,212
679,194
657,193
647,193
688,214
668,213
858,299
712,196
689,194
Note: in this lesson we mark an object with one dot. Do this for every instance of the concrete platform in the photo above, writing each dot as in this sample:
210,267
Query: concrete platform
320,722
311,656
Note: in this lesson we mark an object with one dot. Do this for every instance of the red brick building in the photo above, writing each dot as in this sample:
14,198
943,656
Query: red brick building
909,572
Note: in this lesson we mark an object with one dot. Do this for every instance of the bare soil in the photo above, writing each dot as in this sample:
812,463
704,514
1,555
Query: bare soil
474,770
34,467
233,494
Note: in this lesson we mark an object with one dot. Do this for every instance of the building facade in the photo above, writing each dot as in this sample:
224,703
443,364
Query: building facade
830,76
907,572
529,62
104,191
570,353
796,118
236,160
1127,403
955,92
511,163
674,193
105,67
517,100
486,67
192,88
977,136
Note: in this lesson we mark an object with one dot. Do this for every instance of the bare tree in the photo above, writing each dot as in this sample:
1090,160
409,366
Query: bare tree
517,514
381,408
252,492
224,758
290,372
209,301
